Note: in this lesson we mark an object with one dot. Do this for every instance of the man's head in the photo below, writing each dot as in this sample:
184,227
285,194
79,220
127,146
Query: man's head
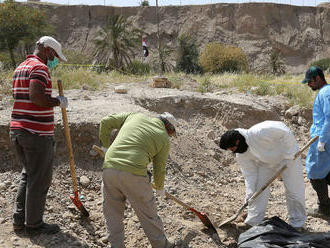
314,77
170,123
49,50
234,141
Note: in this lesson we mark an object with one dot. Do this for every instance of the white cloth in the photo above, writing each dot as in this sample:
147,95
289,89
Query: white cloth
270,143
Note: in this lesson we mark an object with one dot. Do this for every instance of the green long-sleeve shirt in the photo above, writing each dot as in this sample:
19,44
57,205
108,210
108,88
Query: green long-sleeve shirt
140,140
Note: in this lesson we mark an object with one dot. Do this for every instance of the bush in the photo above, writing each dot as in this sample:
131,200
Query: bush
138,68
324,64
276,63
187,56
144,3
219,58
5,61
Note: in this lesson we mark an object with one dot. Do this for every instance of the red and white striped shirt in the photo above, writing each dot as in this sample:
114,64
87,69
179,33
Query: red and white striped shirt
27,115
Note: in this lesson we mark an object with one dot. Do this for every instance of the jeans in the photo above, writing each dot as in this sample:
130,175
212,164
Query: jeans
35,153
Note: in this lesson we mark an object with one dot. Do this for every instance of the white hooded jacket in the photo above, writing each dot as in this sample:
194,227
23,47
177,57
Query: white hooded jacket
269,143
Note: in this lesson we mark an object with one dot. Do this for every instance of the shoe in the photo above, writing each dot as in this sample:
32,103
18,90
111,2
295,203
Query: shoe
318,212
44,228
18,227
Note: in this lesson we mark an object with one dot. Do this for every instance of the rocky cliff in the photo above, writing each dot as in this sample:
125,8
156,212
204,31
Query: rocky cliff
302,34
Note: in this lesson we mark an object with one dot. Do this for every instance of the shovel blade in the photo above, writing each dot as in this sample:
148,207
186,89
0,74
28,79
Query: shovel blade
204,219
79,205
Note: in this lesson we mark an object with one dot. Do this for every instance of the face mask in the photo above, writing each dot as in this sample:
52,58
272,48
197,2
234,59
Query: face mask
52,63
242,145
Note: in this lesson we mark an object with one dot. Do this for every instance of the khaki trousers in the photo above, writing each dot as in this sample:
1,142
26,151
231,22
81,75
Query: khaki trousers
117,186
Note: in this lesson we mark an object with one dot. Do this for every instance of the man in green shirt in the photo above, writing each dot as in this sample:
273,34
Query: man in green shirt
140,140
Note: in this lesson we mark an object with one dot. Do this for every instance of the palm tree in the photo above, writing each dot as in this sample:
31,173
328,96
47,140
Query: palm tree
117,42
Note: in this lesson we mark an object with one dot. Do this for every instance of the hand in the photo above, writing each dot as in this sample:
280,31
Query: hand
63,101
104,149
321,146
160,192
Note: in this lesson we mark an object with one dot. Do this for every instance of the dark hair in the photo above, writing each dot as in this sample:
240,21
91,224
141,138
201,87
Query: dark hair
169,127
229,138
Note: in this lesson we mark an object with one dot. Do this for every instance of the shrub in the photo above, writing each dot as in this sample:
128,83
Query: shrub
276,63
76,57
138,68
144,3
205,85
187,56
324,64
5,61
219,58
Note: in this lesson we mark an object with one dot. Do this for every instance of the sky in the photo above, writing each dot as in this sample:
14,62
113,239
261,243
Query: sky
123,3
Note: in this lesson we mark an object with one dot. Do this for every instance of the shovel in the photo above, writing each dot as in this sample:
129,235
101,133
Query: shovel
75,198
257,193
201,215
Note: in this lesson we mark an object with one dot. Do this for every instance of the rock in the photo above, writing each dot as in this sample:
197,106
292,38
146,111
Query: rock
87,97
2,186
2,220
161,82
103,240
121,89
211,135
293,111
84,181
85,87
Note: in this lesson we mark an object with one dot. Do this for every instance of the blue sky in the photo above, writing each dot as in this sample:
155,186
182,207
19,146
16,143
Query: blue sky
175,2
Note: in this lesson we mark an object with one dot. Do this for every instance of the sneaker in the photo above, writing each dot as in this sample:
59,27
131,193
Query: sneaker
318,212
44,228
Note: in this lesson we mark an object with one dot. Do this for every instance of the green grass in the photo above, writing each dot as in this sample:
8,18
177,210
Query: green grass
5,82
286,85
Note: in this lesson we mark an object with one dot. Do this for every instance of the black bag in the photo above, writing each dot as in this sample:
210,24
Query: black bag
276,233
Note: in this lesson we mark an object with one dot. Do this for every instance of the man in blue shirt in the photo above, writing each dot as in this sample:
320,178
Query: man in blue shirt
318,157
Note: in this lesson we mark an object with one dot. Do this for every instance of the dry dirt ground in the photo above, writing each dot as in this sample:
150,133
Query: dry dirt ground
198,172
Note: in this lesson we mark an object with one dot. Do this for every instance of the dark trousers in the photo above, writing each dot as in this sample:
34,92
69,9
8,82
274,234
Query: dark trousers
35,153
321,188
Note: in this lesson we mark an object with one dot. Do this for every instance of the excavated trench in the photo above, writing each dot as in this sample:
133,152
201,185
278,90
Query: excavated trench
186,108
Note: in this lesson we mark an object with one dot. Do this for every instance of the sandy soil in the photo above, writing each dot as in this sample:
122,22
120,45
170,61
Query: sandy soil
198,172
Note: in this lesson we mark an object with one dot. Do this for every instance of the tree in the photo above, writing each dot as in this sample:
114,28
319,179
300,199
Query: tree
20,24
144,3
117,42
187,56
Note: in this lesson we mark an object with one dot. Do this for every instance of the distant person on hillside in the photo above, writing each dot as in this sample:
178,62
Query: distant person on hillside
260,151
140,140
318,157
32,134
145,47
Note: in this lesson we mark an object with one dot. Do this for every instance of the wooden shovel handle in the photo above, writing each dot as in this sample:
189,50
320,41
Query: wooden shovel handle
68,139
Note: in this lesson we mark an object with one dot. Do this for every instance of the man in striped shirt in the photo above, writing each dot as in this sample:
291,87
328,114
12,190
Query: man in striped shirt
32,134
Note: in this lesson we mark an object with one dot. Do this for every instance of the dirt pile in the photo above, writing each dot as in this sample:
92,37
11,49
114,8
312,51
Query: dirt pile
198,172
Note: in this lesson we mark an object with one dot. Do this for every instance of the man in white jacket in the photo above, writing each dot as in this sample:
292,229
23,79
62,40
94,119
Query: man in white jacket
260,151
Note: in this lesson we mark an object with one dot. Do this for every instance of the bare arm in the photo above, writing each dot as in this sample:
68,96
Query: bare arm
38,96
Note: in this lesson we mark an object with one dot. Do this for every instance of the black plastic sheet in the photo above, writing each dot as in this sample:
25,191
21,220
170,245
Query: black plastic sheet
276,233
